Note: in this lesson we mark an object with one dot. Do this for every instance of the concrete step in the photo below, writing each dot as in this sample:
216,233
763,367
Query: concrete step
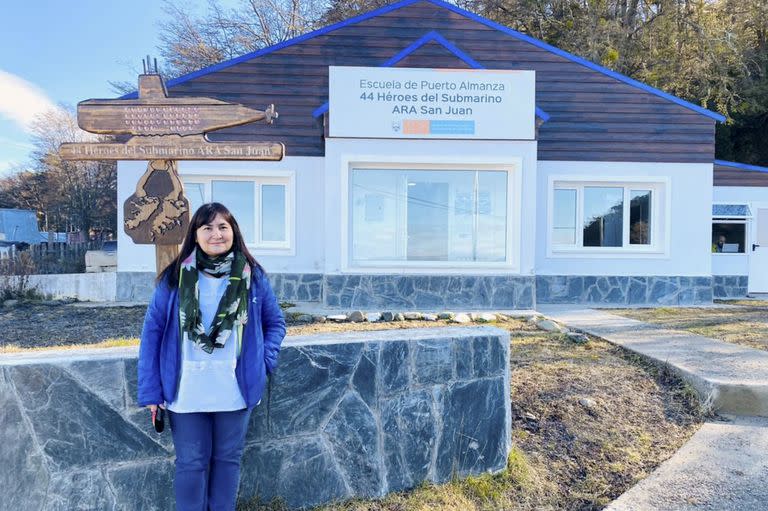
722,467
732,379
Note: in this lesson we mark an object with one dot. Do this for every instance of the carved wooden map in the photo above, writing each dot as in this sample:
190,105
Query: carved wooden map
158,212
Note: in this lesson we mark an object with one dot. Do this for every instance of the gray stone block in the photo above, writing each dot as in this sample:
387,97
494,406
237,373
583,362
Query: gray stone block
471,413
318,377
301,471
147,486
24,476
79,429
81,489
432,361
410,433
104,380
638,291
463,358
352,432
488,357
394,363
729,286
292,287
364,377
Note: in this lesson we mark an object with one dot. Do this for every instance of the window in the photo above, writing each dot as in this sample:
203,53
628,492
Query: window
729,228
260,205
605,216
423,215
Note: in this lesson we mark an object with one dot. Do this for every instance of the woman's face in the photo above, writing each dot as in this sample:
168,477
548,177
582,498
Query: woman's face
216,237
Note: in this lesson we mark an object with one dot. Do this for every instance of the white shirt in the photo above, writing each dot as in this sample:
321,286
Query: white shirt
208,382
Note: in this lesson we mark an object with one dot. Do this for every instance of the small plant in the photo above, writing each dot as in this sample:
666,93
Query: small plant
286,305
14,278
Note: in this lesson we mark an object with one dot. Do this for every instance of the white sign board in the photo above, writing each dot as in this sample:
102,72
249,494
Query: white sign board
388,102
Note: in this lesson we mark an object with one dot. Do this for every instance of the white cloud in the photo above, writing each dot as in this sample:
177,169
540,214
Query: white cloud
7,167
21,101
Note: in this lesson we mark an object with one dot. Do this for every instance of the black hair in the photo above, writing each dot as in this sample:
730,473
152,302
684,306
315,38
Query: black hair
205,215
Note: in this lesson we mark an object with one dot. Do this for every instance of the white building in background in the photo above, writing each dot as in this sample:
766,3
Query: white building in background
435,159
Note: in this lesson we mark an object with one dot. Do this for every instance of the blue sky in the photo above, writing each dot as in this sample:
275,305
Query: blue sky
59,51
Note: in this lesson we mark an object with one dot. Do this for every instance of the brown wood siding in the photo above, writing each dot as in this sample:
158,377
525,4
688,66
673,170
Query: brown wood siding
593,117
730,176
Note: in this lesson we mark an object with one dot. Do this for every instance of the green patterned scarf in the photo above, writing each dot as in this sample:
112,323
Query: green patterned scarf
233,307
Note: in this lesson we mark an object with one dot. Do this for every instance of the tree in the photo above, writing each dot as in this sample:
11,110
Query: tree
68,195
709,52
189,43
339,10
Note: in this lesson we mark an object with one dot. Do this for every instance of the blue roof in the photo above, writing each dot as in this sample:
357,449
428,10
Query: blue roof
462,12
742,166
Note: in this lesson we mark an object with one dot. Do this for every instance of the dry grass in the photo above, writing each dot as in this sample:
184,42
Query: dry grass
40,324
121,342
570,457
512,324
35,326
745,322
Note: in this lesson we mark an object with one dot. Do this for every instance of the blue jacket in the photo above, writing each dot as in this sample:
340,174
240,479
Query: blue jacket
160,348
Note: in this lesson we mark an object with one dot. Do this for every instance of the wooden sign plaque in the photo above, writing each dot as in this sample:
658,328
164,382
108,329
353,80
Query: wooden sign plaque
174,147
164,130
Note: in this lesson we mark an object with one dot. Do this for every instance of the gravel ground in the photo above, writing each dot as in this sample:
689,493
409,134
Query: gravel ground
44,324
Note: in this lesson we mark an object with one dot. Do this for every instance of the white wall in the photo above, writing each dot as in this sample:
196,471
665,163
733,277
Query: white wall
339,153
687,247
89,287
740,194
736,264
306,256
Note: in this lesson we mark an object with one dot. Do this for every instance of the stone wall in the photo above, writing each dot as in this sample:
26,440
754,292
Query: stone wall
355,414
291,287
430,291
495,292
623,290
729,286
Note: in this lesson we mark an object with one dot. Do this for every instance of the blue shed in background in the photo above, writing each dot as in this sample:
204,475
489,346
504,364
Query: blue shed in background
19,225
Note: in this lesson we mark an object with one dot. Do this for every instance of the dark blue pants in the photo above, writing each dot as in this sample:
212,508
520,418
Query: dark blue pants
208,451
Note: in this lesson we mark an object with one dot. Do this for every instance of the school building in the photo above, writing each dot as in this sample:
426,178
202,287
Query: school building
436,159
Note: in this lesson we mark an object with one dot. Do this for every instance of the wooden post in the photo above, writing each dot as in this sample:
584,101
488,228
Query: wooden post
164,254
158,213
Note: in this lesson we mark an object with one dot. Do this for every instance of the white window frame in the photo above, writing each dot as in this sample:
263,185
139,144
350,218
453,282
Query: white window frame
287,179
513,168
661,194
746,220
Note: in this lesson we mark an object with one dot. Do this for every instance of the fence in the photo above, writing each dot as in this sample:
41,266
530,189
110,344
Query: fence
46,258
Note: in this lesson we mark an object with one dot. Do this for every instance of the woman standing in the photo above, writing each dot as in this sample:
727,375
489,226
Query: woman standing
211,335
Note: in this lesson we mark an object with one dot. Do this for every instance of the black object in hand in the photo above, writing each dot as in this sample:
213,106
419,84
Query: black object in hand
157,419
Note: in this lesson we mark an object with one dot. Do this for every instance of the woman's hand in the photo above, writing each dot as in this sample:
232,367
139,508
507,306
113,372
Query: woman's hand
153,408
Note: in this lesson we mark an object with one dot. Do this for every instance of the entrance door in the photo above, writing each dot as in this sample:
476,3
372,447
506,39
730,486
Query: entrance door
758,250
